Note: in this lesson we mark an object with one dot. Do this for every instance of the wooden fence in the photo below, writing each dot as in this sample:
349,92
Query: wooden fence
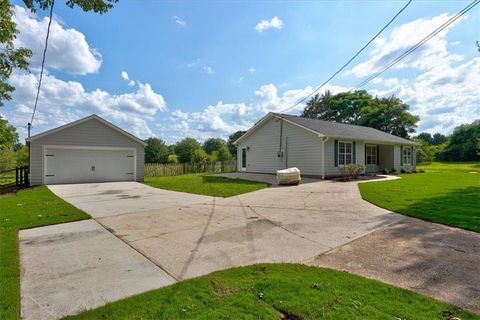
163,170
13,179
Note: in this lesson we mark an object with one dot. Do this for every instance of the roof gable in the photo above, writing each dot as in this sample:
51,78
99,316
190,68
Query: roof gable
83,120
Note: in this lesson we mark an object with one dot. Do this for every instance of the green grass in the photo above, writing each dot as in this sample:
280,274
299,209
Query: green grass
199,183
278,291
446,193
26,209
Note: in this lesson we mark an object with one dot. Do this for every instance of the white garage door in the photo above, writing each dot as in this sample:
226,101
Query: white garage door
88,165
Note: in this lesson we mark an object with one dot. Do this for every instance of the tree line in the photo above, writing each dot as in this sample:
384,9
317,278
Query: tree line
191,150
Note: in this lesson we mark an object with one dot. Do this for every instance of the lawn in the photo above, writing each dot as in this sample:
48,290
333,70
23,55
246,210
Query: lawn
199,183
26,209
446,193
278,291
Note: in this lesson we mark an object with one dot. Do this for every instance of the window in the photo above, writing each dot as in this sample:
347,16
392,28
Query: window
371,155
344,153
407,156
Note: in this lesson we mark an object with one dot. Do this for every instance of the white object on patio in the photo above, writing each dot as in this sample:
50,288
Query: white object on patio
290,176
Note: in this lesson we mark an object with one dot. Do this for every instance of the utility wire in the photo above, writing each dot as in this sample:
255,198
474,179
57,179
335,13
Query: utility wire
418,44
348,62
43,65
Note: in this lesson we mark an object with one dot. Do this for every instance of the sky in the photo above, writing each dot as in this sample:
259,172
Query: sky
175,69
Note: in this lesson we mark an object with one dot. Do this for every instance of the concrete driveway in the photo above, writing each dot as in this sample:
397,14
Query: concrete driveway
184,235
205,234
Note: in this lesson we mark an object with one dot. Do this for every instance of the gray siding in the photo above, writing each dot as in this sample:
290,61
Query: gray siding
89,133
330,169
302,149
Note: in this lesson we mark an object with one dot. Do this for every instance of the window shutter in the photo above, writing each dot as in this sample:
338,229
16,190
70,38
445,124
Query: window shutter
378,155
411,156
336,153
354,152
365,153
401,155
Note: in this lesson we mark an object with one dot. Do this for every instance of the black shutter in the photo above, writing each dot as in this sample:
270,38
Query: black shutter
401,155
411,156
336,153
378,155
365,153
354,151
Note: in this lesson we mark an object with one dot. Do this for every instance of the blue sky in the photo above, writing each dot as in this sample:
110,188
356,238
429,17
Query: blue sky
206,69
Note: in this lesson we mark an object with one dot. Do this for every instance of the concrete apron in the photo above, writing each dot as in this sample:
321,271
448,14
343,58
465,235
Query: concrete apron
68,268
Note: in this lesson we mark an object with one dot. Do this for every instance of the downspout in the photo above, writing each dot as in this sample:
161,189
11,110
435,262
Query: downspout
323,157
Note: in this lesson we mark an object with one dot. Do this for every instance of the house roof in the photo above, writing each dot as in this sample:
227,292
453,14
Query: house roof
335,130
74,123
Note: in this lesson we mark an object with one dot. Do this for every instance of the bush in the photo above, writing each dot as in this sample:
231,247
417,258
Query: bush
352,171
393,170
172,158
403,170
385,171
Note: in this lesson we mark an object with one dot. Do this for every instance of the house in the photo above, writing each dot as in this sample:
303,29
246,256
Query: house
320,148
87,150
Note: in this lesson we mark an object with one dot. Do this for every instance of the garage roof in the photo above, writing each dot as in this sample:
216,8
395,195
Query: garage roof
74,123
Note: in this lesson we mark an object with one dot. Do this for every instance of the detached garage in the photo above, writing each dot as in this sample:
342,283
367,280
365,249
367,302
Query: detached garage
88,150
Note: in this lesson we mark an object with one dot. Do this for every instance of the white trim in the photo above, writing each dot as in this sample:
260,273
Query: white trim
53,146
367,145
299,125
74,123
242,168
345,153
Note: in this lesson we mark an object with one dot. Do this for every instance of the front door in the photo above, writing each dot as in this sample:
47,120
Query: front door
371,158
244,159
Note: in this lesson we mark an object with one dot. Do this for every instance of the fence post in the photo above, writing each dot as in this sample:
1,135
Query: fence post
27,177
16,176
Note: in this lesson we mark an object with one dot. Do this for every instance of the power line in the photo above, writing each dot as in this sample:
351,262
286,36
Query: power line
43,66
348,62
417,45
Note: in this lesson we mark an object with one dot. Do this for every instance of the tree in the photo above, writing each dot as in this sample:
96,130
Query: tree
21,156
199,156
185,148
156,151
426,137
224,154
360,108
17,58
213,144
230,143
8,135
438,138
172,158
463,144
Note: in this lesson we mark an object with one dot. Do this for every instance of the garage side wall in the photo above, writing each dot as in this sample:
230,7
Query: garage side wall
92,133
301,149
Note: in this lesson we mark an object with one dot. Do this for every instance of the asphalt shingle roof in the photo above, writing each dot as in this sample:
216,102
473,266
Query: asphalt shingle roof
342,130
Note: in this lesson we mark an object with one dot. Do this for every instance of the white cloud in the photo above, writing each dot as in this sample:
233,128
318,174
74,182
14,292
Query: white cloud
274,23
402,38
222,119
443,90
208,69
61,102
68,49
252,70
124,75
179,21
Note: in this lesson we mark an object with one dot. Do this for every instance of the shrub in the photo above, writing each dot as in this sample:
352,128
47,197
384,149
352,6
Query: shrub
393,170
351,171
385,171
403,170
172,158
